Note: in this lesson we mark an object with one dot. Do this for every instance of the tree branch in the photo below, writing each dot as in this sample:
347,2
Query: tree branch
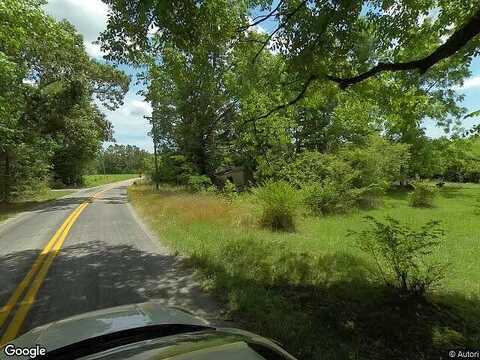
259,19
297,98
454,43
279,27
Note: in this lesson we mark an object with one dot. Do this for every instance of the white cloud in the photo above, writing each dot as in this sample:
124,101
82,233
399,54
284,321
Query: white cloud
130,126
140,108
470,83
153,30
88,16
29,82
432,14
94,50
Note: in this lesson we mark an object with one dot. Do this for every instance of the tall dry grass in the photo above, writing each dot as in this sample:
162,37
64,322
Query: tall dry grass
189,208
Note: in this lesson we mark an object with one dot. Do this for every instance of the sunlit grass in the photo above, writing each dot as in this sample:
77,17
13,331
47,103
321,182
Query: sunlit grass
214,218
97,180
244,265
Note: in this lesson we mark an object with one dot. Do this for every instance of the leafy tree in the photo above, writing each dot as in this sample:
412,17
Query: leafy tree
224,94
122,159
458,159
46,101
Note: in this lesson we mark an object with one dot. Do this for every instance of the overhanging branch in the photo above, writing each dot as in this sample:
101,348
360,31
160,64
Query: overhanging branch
455,42
259,19
279,27
297,98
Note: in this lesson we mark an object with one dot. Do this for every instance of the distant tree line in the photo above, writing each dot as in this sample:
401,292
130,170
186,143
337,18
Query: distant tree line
122,159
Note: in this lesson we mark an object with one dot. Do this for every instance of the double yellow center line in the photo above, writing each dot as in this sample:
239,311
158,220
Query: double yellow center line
35,277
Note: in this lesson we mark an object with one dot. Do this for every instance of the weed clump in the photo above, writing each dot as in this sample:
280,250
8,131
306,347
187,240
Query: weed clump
198,183
423,195
280,203
402,254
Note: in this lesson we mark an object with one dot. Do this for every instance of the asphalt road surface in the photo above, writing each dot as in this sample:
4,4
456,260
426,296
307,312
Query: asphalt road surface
108,258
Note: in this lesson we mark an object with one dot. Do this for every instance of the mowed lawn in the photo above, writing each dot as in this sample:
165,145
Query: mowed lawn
457,208
313,290
97,180
9,209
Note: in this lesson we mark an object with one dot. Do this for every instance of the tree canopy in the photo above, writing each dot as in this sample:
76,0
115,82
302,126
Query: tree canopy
49,95
224,93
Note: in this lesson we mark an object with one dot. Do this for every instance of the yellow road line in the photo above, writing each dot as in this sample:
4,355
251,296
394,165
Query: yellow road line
45,258
12,301
29,299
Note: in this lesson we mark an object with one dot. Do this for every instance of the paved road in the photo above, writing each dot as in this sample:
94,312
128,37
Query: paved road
107,259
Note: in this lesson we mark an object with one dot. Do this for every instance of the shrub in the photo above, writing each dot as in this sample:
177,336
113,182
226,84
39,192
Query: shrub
198,183
476,207
229,190
350,177
172,169
339,197
308,167
379,162
401,254
423,195
328,198
370,196
280,203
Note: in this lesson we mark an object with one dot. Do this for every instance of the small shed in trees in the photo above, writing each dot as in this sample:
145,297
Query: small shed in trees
238,175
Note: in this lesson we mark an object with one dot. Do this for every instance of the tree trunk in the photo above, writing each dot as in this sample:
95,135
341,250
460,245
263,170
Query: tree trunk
155,155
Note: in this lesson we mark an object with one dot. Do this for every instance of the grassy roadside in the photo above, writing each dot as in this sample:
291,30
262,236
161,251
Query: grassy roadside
313,290
97,180
9,209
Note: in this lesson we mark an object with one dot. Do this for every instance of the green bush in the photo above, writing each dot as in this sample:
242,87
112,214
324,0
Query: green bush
328,198
306,168
377,163
370,196
348,178
402,255
423,195
280,203
172,169
199,183
229,190
476,207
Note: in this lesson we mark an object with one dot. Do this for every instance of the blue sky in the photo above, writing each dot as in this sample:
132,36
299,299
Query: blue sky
90,16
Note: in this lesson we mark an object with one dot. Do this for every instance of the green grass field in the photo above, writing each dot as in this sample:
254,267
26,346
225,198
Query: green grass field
9,209
97,180
313,290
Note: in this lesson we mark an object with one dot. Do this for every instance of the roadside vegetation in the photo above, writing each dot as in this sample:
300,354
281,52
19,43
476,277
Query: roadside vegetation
51,125
30,202
278,144
316,290
97,180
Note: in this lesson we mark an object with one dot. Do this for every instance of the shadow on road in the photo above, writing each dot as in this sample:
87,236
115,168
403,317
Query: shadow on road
63,204
93,276
114,200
